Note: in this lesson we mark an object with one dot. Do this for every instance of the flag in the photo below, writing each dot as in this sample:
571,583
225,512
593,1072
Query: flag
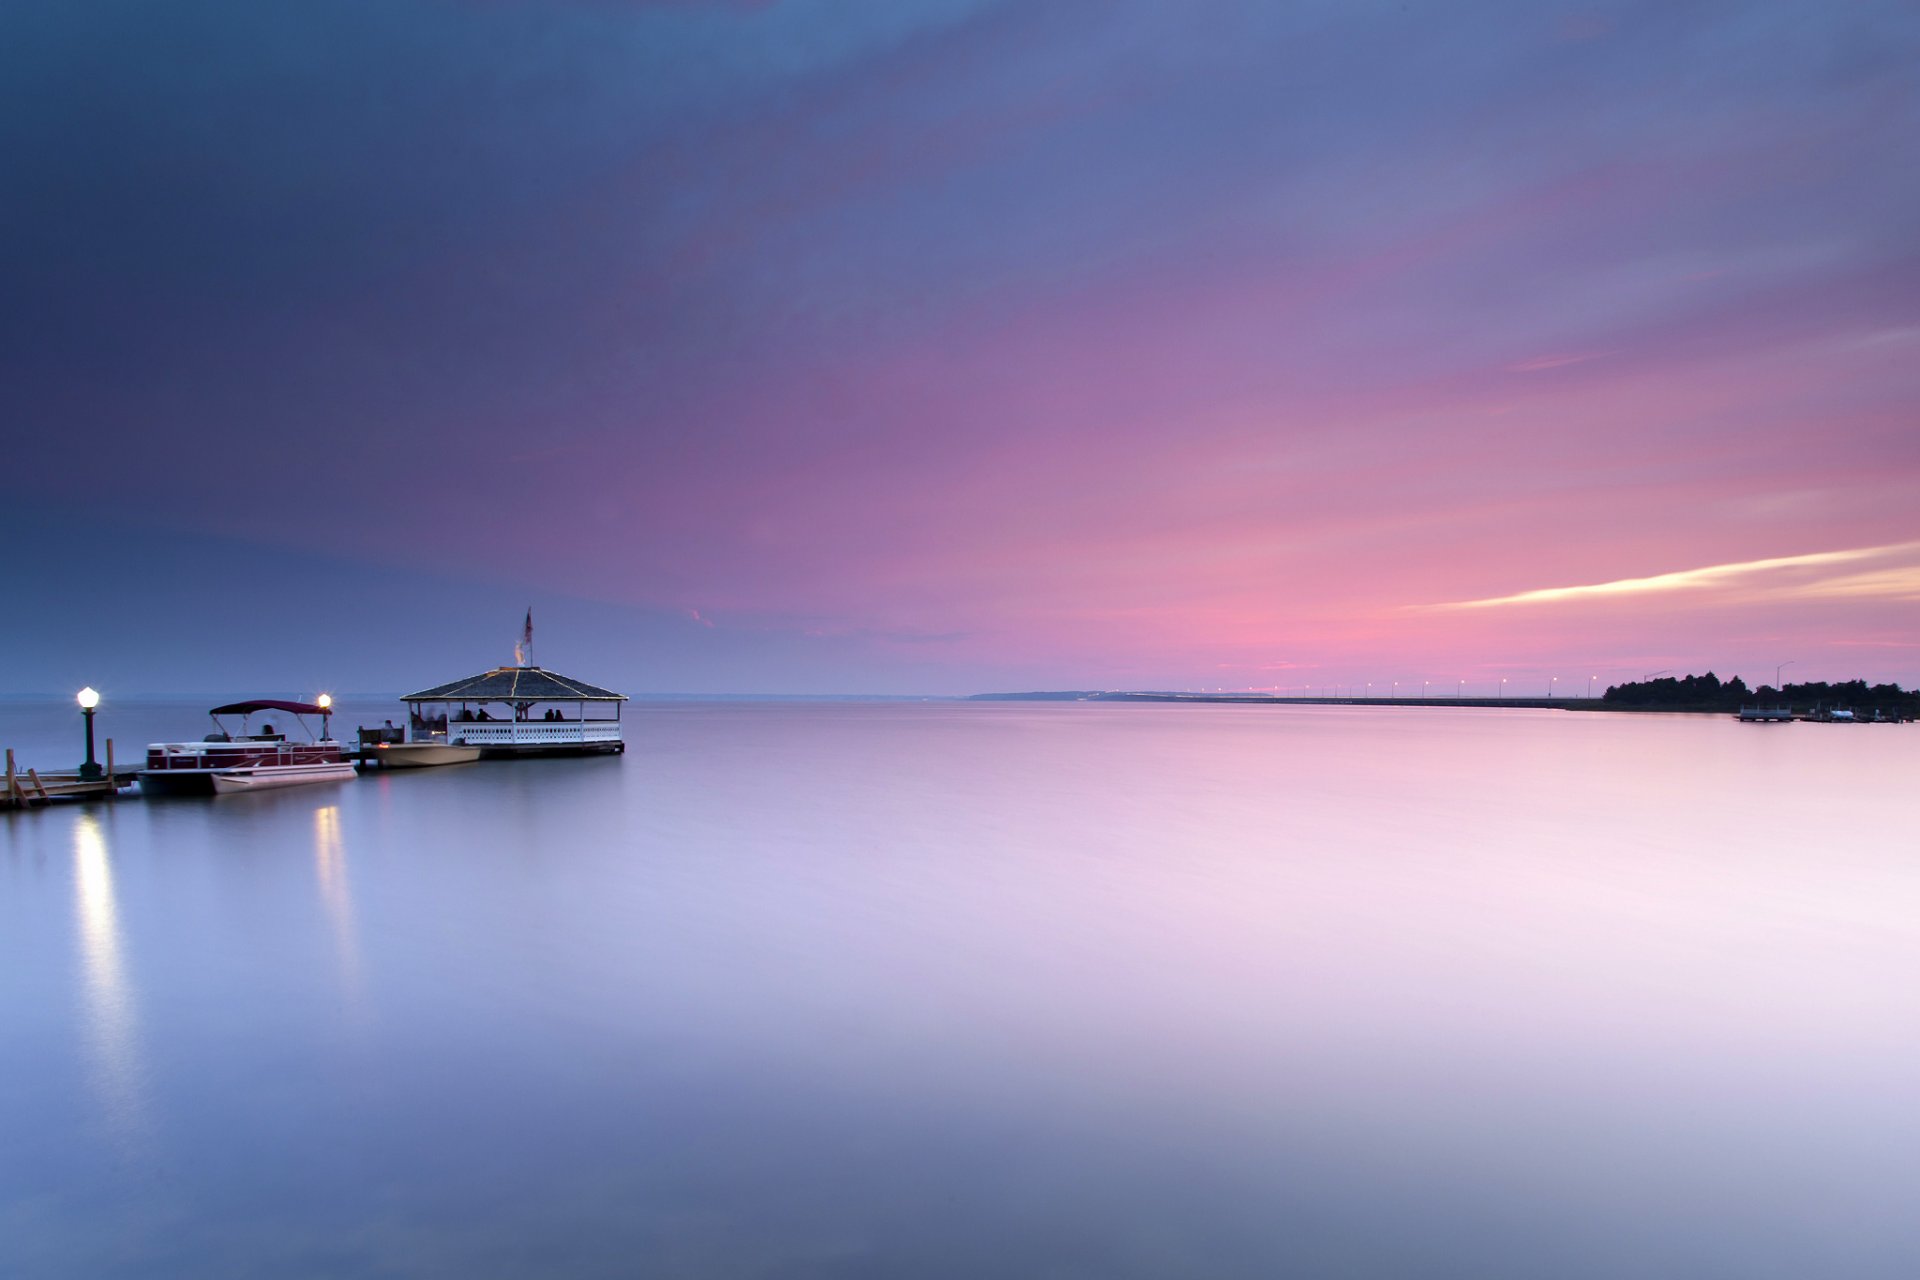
523,648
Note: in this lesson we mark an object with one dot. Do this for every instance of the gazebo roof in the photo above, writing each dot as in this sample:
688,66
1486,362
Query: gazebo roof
516,684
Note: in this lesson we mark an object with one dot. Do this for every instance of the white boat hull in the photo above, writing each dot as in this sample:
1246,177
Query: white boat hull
268,777
421,755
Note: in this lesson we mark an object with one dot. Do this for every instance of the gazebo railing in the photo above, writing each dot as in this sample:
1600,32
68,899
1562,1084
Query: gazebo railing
498,733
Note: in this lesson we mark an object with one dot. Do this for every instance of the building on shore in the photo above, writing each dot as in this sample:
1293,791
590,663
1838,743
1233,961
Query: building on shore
518,711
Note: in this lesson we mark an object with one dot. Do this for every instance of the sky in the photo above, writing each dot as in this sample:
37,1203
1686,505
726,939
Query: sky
870,346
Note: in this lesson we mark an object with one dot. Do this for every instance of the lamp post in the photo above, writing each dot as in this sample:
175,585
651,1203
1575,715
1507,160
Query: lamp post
88,700
1460,688
325,703
1503,686
1590,680
1551,680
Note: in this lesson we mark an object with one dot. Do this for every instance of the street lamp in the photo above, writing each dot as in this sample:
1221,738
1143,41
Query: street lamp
1551,680
1590,680
88,700
1503,686
1460,688
325,703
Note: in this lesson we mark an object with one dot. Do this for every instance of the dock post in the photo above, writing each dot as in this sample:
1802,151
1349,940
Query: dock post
39,786
12,786
113,781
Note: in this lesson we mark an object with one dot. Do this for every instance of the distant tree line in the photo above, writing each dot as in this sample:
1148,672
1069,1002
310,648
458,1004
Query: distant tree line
1710,693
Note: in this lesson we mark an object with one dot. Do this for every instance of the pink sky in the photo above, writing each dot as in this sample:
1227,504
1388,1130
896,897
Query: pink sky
1099,347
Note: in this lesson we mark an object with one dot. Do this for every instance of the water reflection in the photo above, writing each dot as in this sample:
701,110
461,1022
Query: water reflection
336,896
973,990
108,998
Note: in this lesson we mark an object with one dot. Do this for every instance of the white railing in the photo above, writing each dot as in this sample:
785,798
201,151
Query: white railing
504,733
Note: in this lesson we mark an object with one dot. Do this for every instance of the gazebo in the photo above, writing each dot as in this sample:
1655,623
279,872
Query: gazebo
518,711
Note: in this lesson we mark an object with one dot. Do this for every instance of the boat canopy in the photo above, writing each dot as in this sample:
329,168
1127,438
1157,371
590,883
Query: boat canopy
269,704
516,684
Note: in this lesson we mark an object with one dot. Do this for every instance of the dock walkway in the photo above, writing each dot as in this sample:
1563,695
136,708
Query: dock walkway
25,787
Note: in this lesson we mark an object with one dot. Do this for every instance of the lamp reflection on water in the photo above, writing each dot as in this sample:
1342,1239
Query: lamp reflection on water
110,1023
330,868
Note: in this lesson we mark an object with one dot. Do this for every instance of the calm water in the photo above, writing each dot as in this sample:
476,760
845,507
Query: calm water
968,991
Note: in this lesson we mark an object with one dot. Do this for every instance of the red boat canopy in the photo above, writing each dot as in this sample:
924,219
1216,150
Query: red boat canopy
269,704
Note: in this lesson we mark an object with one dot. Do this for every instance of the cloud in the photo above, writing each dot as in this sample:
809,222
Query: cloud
1540,364
1898,581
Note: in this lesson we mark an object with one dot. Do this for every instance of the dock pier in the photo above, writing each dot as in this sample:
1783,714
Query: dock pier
26,787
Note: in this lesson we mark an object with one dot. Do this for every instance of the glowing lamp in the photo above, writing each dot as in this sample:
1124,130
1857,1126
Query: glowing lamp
89,698
324,702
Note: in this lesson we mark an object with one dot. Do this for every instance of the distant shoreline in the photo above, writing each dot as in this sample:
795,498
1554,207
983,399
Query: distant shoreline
1262,699
1495,703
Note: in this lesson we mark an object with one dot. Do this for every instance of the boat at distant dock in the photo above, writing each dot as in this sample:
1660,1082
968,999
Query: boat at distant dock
389,749
225,762
508,711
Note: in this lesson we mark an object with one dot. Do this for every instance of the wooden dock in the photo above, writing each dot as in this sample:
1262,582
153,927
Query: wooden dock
26,787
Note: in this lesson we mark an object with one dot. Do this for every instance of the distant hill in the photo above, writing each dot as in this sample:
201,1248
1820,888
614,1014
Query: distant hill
1099,695
1060,695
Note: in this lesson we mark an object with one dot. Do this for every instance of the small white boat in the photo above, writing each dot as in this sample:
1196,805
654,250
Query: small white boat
421,755
268,776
